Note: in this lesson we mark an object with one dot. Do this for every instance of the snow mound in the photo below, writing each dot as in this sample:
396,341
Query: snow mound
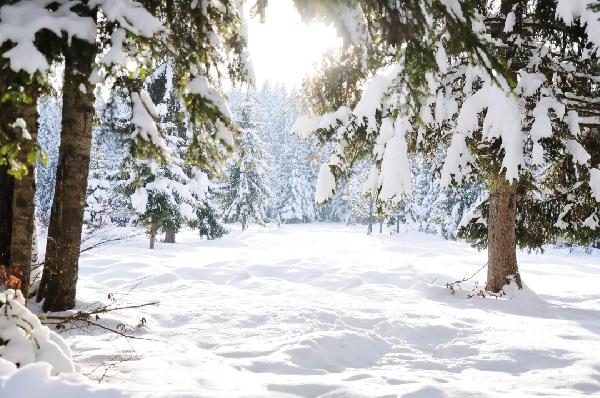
37,380
24,340
337,350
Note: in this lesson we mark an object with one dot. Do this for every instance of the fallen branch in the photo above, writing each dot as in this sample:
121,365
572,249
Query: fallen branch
90,318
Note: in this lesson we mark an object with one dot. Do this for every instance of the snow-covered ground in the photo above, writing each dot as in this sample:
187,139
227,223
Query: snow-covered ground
324,310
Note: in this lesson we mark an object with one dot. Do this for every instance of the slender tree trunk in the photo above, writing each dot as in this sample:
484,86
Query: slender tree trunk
152,236
59,280
370,226
6,195
502,250
380,227
23,207
398,224
169,236
244,226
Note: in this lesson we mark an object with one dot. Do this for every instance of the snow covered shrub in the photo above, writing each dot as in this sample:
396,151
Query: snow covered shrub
24,340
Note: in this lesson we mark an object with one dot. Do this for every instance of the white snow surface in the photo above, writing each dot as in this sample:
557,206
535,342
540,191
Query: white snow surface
323,310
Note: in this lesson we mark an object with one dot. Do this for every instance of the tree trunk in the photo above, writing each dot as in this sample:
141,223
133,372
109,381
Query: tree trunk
23,207
502,250
398,224
169,236
6,195
152,236
370,226
380,227
59,280
244,226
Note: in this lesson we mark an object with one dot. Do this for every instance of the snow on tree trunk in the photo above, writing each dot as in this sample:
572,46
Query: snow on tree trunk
59,279
502,250
23,205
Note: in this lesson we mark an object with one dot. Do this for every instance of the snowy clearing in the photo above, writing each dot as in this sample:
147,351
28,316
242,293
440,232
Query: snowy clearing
324,310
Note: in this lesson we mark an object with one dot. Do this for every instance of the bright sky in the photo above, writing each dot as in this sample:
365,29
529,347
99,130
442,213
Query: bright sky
284,49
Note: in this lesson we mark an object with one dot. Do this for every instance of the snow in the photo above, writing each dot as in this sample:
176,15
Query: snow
36,380
20,22
570,10
20,123
201,86
395,175
24,340
502,120
325,310
595,183
325,184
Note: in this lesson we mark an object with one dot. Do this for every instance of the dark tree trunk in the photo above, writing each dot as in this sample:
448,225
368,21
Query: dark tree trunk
6,199
370,225
23,206
59,280
502,250
152,236
380,227
398,224
169,236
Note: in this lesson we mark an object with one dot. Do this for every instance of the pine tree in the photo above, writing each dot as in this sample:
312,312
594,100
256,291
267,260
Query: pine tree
247,193
507,130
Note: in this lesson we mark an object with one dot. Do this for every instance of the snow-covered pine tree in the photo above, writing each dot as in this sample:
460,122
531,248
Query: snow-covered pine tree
507,128
208,214
295,200
162,195
246,194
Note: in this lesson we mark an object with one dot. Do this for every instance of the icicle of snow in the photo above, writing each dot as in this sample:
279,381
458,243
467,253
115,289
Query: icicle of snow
325,184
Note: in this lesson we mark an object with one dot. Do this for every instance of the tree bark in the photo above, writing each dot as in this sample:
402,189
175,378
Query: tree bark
502,249
6,195
23,206
152,236
59,280
169,236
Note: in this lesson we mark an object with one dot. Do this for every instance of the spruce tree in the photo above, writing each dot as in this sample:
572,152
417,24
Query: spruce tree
246,194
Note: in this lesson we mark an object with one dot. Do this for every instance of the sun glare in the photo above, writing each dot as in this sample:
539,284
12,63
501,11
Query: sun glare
284,49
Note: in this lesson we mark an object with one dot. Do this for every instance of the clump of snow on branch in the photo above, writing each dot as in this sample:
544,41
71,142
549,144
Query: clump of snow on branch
325,184
20,22
201,86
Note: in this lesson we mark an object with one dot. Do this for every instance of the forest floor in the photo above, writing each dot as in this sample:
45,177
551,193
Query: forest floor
324,310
